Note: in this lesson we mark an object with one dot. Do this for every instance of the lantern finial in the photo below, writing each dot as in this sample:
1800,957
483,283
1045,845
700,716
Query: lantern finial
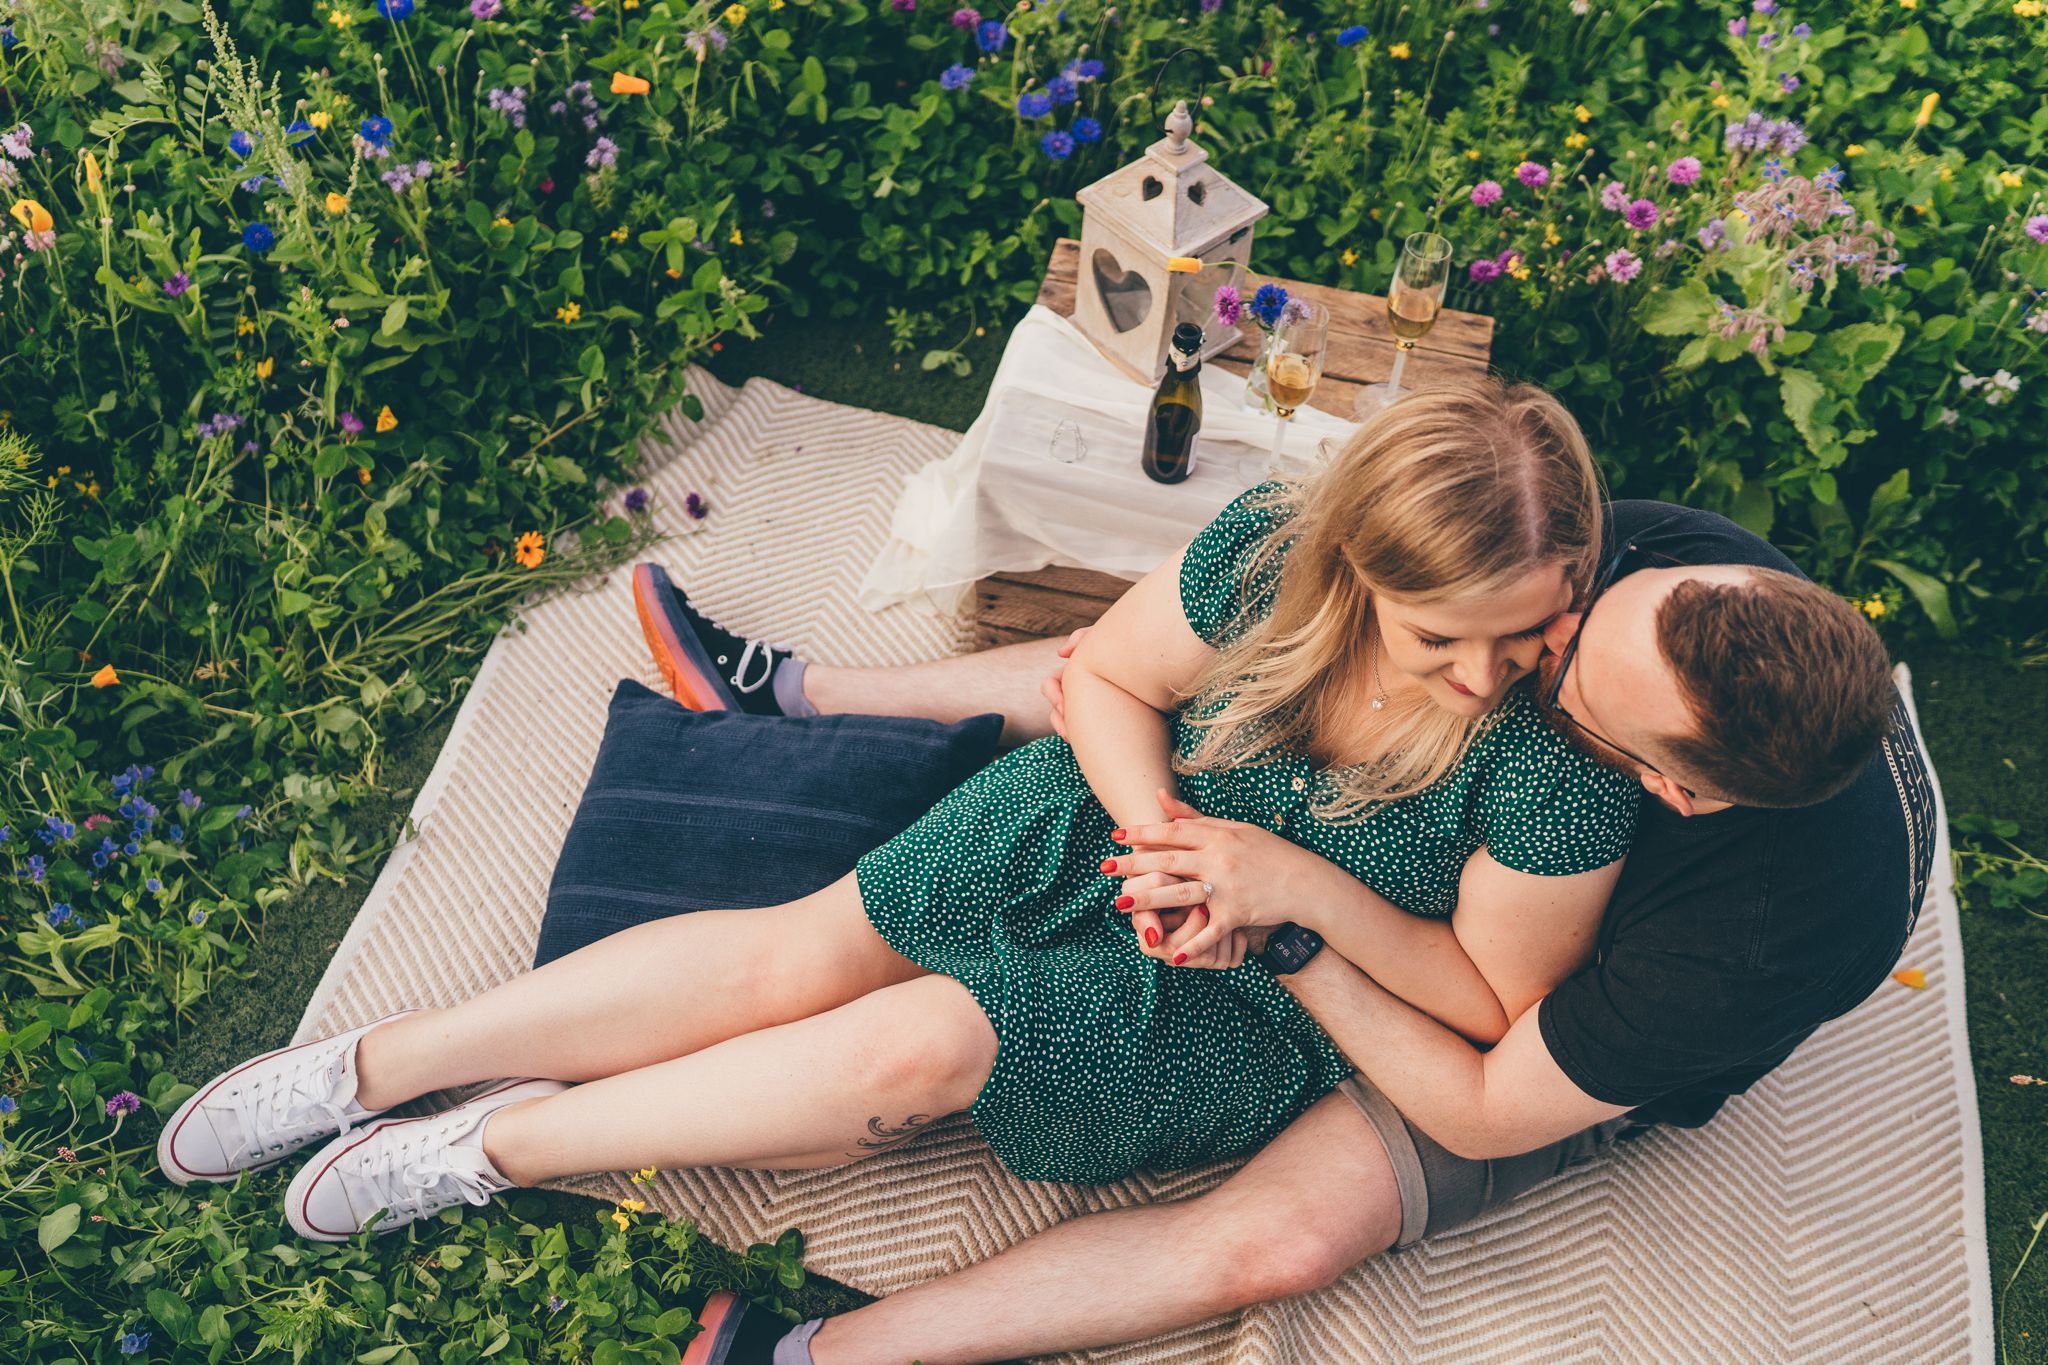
1178,125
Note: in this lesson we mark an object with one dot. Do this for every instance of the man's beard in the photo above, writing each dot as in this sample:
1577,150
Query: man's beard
1576,736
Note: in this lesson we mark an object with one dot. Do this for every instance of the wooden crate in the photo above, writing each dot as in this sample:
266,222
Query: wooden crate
1027,606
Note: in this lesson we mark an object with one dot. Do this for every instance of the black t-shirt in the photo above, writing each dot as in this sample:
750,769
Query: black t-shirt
1732,936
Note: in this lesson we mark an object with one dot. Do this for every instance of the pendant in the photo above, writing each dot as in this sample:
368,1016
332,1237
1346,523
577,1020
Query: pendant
1379,703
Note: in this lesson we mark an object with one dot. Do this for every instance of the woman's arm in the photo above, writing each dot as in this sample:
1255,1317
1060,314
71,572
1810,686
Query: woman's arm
1129,671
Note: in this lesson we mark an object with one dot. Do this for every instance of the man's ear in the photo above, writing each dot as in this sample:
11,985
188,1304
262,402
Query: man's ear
1669,792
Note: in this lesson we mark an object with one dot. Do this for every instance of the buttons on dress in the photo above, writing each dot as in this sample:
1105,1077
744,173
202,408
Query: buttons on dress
1299,783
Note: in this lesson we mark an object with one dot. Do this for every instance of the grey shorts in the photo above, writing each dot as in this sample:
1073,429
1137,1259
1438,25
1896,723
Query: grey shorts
1441,1191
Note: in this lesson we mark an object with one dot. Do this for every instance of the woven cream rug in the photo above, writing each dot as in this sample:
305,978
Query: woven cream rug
1833,1214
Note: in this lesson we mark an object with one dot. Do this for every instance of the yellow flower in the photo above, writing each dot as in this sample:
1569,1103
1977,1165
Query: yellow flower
1350,256
1374,214
737,239
92,172
1399,52
52,481
775,4
1721,100
735,15
320,119
1872,607
1582,114
92,490
362,476
340,19
530,549
2012,180
266,367
619,233
1920,119
674,273
386,420
621,1219
1471,153
1576,140
633,1205
646,1175
32,216
1520,272
106,677
244,325
2028,9
1909,4
501,221
1918,208
1183,265
1853,149
63,469
629,4
337,204
569,312
1550,237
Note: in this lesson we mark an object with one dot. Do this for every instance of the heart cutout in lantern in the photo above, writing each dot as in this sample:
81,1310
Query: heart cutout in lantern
1126,297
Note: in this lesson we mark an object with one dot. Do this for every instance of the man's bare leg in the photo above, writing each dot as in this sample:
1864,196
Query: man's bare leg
1320,1199
947,690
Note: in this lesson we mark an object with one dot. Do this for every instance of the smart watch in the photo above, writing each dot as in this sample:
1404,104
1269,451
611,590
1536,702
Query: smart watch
1289,948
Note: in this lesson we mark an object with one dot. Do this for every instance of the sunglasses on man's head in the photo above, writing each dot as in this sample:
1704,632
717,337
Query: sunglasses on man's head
1609,572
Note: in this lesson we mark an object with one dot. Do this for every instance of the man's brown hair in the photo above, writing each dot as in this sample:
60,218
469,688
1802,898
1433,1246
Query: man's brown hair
1789,686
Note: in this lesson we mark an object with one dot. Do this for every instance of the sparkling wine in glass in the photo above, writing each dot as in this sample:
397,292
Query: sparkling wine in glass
1414,299
1294,362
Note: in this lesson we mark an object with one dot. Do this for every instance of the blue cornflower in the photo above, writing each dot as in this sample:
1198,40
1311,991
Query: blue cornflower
258,237
131,848
1267,303
992,36
955,77
394,10
188,800
7,1104
134,1343
376,131
1353,36
36,869
153,886
241,144
1087,130
1057,145
299,132
1034,104
59,912
1084,71
1062,90
177,833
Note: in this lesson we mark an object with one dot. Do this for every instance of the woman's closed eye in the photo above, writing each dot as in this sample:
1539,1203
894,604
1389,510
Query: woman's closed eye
1533,633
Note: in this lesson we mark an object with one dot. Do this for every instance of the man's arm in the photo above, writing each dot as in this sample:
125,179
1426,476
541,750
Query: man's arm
1479,1105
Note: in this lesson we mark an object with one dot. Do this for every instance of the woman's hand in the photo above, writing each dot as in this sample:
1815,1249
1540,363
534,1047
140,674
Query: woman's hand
1158,930
1050,686
1227,878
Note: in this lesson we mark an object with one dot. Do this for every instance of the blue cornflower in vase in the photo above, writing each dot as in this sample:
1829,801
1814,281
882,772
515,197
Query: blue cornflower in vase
394,10
1034,104
1057,145
1267,305
299,132
241,144
1086,130
955,77
258,237
1353,36
376,131
1062,90
992,36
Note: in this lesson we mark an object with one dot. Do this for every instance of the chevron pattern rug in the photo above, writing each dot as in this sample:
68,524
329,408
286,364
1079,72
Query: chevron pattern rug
1833,1214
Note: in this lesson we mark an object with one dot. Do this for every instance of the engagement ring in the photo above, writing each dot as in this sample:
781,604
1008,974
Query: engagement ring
1207,890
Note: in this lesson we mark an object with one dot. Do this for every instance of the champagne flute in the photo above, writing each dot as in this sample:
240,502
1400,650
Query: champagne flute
1414,298
1294,362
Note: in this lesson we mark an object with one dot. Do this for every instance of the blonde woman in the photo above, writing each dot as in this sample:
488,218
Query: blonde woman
1337,662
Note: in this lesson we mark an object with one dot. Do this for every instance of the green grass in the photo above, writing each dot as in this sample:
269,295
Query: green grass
1987,726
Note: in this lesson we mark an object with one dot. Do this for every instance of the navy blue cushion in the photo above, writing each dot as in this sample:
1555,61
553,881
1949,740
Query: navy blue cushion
688,810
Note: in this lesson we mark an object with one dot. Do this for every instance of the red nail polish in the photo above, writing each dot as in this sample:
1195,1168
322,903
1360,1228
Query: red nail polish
1179,958
1202,910
1119,835
1109,864
1151,938
1125,902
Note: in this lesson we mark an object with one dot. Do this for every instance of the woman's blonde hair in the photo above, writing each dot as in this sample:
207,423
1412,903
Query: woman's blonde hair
1452,494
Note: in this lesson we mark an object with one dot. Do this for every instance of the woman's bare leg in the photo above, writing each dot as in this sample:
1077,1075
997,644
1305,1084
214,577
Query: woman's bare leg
826,1090
644,995
1005,680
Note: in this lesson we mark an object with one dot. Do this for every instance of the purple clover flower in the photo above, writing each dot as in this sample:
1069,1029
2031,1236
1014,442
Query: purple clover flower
1533,175
1684,171
966,18
903,6
17,143
511,103
955,77
1788,82
636,499
1640,215
1486,192
1211,6
1802,31
1623,266
696,507
124,1102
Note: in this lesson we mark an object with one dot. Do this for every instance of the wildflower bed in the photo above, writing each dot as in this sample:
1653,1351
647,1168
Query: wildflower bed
325,334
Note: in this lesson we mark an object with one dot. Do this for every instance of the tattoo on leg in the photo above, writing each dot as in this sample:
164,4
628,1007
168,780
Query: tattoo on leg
881,1137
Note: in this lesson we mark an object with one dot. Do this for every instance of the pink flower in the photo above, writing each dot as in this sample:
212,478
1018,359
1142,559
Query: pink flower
969,19
1614,196
1684,171
1641,215
1229,306
2037,227
1486,192
124,1102
1533,175
1484,270
1623,266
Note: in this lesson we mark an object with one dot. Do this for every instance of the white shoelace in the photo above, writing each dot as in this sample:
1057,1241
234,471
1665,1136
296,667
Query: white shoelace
767,653
416,1187
281,1111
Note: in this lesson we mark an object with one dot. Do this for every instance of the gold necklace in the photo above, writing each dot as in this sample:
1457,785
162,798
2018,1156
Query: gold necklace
1379,702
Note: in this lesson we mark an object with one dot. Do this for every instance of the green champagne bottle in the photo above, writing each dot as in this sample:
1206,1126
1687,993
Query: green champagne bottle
1176,413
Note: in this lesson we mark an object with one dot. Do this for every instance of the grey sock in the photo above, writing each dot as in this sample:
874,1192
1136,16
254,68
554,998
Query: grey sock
788,686
795,1349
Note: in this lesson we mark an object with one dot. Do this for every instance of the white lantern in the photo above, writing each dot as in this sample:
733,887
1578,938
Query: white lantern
1168,203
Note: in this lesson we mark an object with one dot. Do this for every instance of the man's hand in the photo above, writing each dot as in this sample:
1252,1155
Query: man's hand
1056,695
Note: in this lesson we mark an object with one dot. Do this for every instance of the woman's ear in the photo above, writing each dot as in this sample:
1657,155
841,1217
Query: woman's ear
1559,632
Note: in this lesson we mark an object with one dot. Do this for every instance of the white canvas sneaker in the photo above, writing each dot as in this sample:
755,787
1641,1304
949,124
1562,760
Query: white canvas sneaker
412,1167
255,1115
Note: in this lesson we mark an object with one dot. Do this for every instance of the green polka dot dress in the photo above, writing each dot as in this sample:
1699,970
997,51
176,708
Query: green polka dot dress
1109,1061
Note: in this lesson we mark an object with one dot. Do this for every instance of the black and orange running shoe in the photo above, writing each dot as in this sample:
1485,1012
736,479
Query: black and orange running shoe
708,667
